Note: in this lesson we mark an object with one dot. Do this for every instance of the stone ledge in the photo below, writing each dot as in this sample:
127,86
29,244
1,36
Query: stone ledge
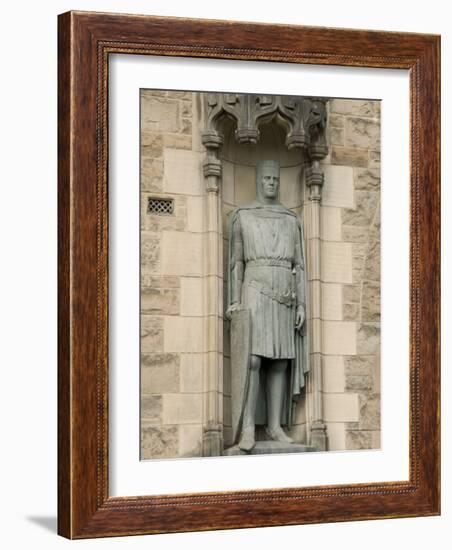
270,448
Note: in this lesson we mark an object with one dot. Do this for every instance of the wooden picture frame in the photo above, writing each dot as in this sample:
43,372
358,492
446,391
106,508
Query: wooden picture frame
85,42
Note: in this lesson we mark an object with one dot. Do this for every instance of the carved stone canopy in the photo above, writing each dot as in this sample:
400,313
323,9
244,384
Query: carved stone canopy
303,117
304,120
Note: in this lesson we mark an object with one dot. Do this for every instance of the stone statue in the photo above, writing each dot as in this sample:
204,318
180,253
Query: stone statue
267,279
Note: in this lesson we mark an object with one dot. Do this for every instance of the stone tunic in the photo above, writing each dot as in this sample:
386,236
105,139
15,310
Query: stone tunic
267,240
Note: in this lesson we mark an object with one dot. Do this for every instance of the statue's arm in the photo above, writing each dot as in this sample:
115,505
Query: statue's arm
236,264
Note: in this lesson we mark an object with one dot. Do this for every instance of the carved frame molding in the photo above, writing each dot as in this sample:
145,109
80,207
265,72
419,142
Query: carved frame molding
85,508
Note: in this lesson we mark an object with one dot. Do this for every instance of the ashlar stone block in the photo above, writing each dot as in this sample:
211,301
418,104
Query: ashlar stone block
160,301
186,126
151,408
180,95
337,136
333,374
358,260
151,145
376,439
349,156
191,372
366,206
355,233
339,338
341,407
372,264
338,189
336,262
362,373
332,302
370,304
160,373
151,175
182,408
374,159
192,296
186,109
159,281
368,339
177,141
367,179
359,383
351,293
331,223
362,132
150,252
151,334
181,253
351,312
369,416
336,436
183,334
159,441
357,107
160,114
358,439
336,121
183,172
195,214
190,440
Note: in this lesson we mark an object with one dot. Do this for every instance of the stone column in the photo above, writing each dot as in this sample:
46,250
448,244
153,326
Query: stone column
213,300
316,428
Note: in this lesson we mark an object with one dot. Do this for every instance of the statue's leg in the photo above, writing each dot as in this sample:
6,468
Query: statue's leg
275,392
247,439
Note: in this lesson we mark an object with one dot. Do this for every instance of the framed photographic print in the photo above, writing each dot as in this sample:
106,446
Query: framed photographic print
248,275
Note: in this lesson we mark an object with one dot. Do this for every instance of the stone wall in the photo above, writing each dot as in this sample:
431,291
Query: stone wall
171,277
351,275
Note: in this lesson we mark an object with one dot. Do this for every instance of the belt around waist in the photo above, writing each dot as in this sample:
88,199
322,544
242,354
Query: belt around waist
261,262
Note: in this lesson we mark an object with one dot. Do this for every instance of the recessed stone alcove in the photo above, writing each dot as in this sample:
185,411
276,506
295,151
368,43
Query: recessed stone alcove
238,188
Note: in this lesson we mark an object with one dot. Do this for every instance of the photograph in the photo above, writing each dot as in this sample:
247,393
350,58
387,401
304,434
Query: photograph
241,341
260,274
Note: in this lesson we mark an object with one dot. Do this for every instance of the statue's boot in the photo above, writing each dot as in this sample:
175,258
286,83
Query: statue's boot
278,434
247,440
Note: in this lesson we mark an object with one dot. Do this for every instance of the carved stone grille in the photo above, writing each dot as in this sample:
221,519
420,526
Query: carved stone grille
161,207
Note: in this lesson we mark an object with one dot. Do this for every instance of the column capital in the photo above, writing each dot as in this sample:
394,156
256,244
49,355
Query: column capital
315,179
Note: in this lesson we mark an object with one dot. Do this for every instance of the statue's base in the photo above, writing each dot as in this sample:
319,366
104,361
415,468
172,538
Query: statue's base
270,448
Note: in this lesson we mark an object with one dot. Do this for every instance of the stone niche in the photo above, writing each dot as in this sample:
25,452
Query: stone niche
238,187
241,130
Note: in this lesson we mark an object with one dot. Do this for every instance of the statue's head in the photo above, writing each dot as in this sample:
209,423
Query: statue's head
267,179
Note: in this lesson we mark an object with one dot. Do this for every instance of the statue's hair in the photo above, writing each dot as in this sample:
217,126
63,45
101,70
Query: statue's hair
264,164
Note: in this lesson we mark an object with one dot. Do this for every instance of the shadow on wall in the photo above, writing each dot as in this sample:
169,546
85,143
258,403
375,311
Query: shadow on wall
49,523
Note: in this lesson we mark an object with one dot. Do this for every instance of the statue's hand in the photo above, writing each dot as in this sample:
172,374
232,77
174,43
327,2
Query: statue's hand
300,317
233,307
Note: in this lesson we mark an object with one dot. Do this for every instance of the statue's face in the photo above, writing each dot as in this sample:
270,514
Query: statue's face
270,183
